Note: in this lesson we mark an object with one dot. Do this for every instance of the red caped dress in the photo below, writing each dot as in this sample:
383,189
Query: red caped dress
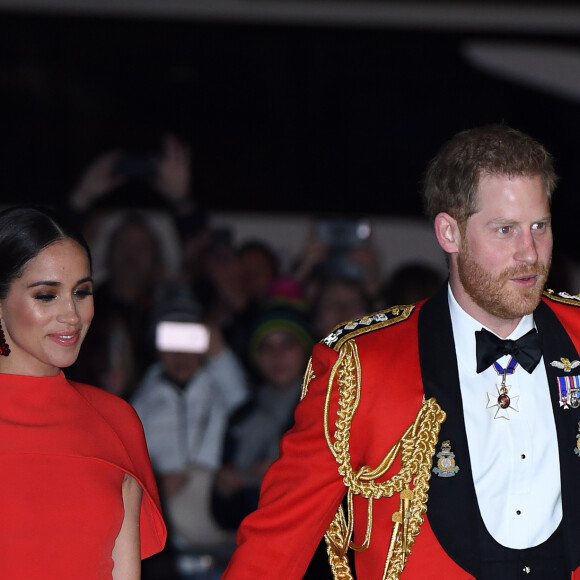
64,451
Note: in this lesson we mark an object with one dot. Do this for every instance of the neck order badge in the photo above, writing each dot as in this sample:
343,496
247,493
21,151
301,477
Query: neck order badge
504,400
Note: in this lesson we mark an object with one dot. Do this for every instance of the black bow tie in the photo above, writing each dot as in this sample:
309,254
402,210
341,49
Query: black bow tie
526,350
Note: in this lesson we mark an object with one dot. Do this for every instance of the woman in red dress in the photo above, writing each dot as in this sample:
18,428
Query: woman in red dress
77,493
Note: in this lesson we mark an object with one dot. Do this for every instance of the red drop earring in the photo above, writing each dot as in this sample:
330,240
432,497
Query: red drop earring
4,348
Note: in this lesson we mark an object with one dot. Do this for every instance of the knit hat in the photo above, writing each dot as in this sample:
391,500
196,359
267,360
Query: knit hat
277,316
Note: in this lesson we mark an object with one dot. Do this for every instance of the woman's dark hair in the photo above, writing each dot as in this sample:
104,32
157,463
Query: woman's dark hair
24,233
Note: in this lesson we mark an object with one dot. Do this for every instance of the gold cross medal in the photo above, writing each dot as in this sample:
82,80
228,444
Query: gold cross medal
446,466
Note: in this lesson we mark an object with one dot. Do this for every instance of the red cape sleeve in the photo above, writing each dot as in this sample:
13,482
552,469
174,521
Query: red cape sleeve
127,450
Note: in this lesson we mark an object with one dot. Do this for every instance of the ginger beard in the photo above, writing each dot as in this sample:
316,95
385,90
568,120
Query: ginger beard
494,293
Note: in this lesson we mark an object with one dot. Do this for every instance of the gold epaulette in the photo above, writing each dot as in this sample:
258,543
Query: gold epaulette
343,332
416,448
563,297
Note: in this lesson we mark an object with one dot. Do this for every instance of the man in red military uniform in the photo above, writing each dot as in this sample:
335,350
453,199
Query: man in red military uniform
441,440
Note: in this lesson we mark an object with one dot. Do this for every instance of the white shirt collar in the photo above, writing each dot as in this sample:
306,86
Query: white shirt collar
465,326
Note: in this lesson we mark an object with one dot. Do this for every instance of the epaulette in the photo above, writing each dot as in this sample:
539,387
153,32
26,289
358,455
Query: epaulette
343,332
563,297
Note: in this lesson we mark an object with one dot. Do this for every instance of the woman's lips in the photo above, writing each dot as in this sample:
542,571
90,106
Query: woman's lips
65,338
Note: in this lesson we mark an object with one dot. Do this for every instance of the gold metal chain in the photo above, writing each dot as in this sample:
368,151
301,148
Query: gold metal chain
416,449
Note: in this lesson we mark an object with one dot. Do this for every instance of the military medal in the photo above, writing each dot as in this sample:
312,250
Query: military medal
504,399
446,466
568,391
577,448
568,385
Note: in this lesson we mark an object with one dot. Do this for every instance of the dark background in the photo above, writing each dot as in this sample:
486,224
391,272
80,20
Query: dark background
281,117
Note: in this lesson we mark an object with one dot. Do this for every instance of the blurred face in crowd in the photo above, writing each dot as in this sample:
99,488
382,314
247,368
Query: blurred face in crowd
339,302
257,272
180,366
134,255
281,358
47,311
503,252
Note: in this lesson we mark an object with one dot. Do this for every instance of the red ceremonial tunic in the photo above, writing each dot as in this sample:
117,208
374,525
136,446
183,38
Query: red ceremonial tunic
64,451
303,489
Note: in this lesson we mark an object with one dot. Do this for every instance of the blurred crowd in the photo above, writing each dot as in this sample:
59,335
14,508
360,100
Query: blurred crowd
215,402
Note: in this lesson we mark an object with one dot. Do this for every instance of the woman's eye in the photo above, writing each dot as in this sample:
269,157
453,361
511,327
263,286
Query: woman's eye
45,297
83,293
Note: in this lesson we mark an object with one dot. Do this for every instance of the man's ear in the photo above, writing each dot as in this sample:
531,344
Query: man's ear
447,232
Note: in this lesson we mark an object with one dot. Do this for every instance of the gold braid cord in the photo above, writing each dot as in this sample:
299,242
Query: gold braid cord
416,449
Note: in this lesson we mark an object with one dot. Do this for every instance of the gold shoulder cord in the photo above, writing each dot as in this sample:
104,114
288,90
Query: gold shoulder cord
416,447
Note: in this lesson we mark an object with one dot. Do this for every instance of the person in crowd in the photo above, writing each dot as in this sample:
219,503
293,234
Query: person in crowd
119,349
452,426
410,283
118,178
337,299
259,266
184,402
233,284
132,188
338,248
279,347
80,499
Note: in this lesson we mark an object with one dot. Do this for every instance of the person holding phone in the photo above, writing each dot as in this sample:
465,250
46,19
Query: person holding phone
184,402
78,498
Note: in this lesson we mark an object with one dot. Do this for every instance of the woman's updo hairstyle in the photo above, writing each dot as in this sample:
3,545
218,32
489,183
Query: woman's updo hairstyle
24,233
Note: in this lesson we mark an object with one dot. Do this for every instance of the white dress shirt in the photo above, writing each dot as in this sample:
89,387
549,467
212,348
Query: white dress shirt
514,453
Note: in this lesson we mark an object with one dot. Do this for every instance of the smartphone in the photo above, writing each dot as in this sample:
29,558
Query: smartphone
182,337
136,167
343,234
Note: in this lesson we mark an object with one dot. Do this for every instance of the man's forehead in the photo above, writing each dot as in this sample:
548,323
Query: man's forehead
492,182
486,177
490,186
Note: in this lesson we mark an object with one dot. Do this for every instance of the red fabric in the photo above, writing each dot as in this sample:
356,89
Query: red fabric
303,489
64,451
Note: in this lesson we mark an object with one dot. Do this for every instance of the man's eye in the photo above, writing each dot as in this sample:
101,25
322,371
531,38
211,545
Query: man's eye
539,226
505,229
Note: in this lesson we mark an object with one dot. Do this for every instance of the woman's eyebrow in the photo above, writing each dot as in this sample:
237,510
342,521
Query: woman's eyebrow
56,283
